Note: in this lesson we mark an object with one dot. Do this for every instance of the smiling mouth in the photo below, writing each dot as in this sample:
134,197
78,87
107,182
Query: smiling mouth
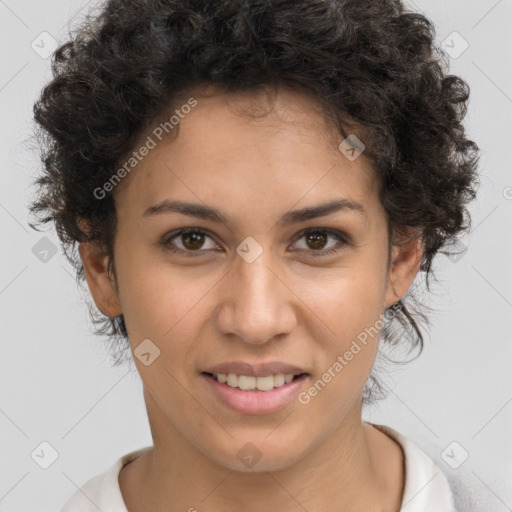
255,384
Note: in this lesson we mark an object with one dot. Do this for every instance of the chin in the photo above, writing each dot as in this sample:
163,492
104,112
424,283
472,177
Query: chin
258,455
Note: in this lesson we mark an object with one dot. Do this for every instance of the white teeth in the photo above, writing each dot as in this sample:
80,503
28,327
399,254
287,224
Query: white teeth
232,380
248,383
279,379
263,383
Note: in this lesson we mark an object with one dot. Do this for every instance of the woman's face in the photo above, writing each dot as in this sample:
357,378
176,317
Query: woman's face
255,287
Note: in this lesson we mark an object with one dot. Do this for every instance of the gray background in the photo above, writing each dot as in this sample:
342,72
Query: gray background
55,377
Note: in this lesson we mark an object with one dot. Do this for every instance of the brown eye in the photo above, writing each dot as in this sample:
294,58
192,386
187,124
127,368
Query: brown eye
192,240
317,240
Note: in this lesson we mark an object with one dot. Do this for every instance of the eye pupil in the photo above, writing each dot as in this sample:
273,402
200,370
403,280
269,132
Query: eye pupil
192,241
317,237
196,240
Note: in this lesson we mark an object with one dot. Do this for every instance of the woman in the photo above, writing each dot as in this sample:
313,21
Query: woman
253,187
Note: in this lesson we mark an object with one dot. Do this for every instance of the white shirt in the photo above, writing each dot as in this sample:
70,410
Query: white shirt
426,486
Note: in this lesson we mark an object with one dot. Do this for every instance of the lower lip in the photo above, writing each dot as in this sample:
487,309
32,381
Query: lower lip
255,402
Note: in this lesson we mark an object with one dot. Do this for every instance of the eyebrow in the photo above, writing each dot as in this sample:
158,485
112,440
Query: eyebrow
213,214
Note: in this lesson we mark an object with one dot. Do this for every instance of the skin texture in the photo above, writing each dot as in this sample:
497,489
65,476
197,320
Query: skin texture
287,305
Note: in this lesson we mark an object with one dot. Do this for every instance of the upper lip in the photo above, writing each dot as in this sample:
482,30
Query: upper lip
255,369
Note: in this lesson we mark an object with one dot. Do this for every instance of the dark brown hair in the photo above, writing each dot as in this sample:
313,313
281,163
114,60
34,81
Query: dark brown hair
372,66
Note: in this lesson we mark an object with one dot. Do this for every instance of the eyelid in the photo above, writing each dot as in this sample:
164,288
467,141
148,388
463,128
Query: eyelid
343,241
168,237
336,233
343,238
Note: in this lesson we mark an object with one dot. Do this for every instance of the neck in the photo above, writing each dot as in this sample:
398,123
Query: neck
350,470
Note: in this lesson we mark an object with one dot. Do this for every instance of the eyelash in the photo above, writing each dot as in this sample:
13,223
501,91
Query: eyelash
319,253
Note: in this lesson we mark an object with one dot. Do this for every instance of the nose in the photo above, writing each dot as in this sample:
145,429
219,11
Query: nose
256,304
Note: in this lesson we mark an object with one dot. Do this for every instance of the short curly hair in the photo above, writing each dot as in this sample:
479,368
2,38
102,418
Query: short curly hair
372,66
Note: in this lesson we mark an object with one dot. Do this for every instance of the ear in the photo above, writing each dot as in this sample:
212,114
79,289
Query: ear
101,283
405,264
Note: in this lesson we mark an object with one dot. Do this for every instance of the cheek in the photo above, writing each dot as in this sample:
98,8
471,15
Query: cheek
352,307
350,302
164,304
152,297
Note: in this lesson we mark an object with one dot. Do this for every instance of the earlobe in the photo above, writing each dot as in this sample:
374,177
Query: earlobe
100,282
405,264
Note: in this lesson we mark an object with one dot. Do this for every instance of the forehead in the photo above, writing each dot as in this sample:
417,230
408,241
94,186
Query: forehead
247,150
